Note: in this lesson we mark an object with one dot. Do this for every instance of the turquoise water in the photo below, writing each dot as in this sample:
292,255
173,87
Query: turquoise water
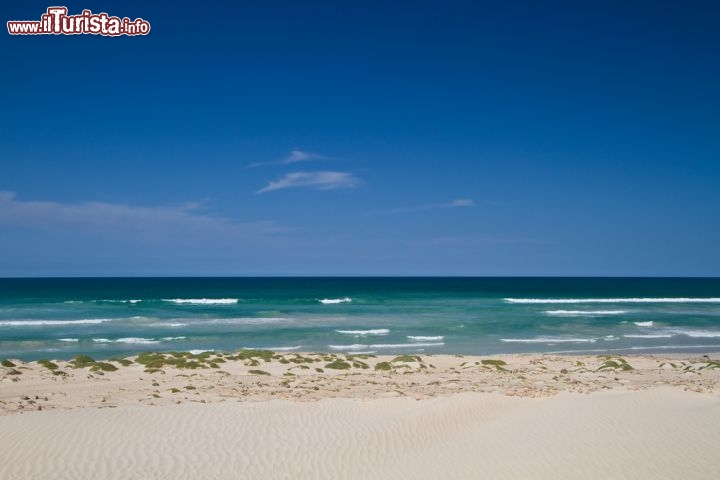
59,318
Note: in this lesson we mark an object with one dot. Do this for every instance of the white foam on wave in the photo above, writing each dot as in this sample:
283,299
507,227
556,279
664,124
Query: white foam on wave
132,301
549,340
354,346
170,339
35,323
198,352
695,333
282,349
129,340
362,333
357,346
613,300
648,335
644,324
424,338
137,340
407,345
202,301
221,321
636,347
331,301
582,313
68,339
671,332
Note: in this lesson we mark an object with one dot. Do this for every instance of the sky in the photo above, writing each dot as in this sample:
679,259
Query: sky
364,138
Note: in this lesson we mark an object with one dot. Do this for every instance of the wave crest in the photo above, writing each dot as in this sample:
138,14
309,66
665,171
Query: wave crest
612,300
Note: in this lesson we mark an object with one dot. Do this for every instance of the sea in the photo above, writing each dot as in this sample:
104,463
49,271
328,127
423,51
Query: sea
58,318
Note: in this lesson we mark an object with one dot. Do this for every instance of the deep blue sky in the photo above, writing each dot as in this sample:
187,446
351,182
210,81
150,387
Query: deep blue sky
360,137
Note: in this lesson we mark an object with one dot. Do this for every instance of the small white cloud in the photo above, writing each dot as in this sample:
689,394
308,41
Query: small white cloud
181,221
295,156
457,203
316,180
460,202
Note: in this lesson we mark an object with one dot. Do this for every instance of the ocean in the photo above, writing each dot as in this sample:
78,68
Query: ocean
58,318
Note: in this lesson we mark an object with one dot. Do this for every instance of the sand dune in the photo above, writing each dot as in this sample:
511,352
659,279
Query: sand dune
659,433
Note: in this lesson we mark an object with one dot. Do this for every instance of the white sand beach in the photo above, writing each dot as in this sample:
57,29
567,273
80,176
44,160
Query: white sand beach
531,417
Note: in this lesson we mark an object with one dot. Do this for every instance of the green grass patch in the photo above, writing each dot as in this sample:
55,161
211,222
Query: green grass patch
493,362
338,365
617,364
122,361
8,363
383,366
82,361
258,372
48,364
103,367
407,358
266,355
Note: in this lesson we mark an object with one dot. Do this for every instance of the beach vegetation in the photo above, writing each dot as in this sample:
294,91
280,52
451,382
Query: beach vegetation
190,387
122,361
174,390
8,363
494,362
407,358
82,361
12,371
617,364
266,355
319,370
258,372
383,366
338,365
48,364
103,366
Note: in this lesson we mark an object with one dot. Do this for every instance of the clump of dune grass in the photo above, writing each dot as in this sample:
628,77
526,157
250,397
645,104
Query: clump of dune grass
103,367
338,365
122,361
359,364
266,355
498,364
7,363
407,358
82,361
618,363
383,366
258,372
190,387
174,390
48,364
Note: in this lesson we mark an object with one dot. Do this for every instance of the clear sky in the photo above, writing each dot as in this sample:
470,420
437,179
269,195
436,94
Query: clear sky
364,137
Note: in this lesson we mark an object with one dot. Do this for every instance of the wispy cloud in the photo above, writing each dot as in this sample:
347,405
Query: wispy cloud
295,156
316,180
150,222
457,203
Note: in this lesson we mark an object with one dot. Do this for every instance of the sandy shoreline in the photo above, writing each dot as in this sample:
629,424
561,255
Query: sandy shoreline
295,416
